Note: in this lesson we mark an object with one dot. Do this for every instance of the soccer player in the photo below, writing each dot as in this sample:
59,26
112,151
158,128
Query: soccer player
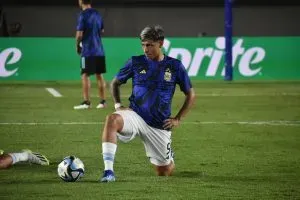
9,159
89,46
154,78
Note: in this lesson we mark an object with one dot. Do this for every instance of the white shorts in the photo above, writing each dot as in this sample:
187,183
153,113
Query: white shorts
157,142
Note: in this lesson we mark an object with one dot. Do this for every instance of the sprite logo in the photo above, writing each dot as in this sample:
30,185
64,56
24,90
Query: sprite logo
247,60
9,56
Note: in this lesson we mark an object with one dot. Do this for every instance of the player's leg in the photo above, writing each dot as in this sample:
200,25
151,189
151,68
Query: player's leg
101,90
86,70
86,85
36,158
119,125
113,125
100,70
7,160
157,143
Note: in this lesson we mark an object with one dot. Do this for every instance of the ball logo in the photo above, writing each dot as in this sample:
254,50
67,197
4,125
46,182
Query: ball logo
9,56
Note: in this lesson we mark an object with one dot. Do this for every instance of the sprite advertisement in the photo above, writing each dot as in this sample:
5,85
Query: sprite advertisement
254,58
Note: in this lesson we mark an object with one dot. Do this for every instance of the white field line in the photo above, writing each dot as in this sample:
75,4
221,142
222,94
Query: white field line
230,95
249,94
267,123
54,92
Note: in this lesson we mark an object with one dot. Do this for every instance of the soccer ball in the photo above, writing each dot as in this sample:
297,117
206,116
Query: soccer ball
70,169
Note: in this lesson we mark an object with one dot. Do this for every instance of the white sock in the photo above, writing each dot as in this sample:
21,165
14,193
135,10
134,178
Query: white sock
18,157
109,151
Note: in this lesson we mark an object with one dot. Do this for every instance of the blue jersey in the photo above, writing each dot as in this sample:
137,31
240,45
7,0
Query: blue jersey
153,86
91,23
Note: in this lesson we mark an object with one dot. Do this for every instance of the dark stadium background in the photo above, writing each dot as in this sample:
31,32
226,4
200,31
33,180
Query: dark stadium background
189,18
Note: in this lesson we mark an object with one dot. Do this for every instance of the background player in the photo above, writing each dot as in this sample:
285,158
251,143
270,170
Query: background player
89,46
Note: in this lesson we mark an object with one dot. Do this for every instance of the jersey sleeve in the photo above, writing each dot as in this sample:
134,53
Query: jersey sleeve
80,23
183,79
126,72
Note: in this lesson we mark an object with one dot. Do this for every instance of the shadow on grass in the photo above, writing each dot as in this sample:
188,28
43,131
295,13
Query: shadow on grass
189,174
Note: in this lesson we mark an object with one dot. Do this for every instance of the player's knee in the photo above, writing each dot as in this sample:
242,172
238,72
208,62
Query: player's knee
103,84
100,77
4,162
84,76
114,120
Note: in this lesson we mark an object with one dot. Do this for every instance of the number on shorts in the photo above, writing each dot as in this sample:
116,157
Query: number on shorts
168,150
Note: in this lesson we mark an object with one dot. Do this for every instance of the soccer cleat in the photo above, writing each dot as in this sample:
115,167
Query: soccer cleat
83,105
102,104
108,176
36,158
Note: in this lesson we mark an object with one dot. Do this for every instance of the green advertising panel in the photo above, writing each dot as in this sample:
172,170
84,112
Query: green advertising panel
254,58
56,58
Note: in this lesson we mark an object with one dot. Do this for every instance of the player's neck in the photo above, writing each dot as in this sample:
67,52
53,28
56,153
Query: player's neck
159,58
86,6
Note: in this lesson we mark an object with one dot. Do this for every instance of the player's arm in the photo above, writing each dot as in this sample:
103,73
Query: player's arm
79,32
79,35
125,73
122,76
190,97
115,92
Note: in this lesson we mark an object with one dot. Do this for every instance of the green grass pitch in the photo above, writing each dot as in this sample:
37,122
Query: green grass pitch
241,140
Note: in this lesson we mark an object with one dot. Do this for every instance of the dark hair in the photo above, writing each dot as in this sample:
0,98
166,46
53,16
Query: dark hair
154,33
87,1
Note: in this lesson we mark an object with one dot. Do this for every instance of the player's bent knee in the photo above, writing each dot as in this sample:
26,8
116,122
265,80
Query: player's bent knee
115,120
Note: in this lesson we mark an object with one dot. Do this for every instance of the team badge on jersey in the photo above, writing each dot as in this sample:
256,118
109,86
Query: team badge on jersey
168,75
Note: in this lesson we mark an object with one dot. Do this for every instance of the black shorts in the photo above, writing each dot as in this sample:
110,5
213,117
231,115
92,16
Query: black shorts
93,65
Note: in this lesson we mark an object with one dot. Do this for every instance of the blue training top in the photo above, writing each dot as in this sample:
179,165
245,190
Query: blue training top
153,86
91,23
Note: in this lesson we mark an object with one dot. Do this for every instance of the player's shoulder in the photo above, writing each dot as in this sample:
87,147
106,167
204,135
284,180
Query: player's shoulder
174,61
81,13
138,59
89,11
135,59
170,59
94,10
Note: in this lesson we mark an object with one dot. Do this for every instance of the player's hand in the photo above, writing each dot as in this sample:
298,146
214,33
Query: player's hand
171,123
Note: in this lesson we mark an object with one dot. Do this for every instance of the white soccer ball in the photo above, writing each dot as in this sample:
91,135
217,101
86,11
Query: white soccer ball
70,169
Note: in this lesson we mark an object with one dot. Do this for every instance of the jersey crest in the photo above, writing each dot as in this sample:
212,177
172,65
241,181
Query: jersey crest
168,75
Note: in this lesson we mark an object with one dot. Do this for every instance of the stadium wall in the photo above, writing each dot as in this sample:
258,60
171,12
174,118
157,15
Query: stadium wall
197,21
